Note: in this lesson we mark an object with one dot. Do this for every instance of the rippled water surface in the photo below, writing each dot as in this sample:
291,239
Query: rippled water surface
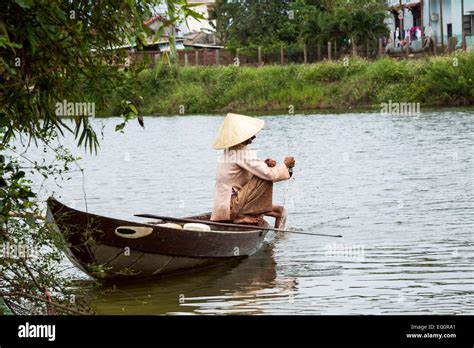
404,182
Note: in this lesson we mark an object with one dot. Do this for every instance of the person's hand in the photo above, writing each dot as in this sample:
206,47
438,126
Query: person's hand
289,162
270,162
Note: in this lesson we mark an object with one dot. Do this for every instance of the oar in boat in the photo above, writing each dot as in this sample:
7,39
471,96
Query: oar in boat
222,224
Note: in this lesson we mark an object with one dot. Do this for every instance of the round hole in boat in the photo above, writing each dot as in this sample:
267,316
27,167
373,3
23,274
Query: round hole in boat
133,231
126,231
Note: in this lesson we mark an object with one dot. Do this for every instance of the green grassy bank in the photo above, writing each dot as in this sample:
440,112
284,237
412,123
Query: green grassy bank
438,81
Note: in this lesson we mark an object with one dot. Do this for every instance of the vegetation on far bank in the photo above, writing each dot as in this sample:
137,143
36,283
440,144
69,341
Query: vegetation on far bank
437,81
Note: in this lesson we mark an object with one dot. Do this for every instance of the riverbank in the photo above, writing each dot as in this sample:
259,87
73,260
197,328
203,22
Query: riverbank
356,83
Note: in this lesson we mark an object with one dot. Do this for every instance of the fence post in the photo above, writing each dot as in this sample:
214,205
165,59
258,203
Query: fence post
329,50
381,52
354,47
305,53
282,55
185,58
259,55
217,56
196,56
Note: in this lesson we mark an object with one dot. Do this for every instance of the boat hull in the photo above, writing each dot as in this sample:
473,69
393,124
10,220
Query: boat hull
107,248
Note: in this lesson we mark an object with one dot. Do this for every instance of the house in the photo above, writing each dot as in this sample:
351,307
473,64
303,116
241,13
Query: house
441,19
197,47
205,40
205,8
200,33
193,34
154,24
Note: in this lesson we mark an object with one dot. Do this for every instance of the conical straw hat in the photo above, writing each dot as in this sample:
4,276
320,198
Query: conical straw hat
236,129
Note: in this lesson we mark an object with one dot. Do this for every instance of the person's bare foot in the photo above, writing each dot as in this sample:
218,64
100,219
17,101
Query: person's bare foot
279,213
248,219
281,223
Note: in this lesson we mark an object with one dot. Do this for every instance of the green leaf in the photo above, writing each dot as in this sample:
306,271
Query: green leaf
120,127
133,108
26,4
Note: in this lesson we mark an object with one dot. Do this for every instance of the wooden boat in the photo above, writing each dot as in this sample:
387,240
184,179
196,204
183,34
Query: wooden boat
108,248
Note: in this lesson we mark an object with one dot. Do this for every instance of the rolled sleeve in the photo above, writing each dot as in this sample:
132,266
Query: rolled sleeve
259,168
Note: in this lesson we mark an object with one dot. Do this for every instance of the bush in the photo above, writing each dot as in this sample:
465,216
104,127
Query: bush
451,79
388,70
329,84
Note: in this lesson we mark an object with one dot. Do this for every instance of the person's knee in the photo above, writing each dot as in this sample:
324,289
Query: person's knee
278,209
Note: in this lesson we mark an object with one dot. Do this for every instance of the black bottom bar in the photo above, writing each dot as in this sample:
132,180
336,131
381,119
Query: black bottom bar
294,331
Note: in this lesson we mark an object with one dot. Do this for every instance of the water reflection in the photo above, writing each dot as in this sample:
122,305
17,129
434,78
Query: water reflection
240,287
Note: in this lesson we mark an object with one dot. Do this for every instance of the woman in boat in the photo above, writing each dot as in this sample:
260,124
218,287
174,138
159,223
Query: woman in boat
244,184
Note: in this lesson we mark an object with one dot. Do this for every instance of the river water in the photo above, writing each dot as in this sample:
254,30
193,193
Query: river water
405,184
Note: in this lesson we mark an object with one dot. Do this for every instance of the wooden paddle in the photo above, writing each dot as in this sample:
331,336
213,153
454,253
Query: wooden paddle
222,224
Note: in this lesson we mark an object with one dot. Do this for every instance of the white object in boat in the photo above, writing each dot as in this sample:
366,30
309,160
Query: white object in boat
171,225
197,227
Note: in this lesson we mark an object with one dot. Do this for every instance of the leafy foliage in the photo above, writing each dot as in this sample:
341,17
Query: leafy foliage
51,52
242,23
263,23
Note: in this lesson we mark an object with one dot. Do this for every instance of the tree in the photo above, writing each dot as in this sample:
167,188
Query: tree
359,23
246,22
266,23
339,21
54,51
311,19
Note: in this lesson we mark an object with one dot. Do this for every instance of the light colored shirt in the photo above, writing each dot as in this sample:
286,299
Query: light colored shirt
235,169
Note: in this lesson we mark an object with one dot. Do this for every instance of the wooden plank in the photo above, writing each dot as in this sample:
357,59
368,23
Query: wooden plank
103,254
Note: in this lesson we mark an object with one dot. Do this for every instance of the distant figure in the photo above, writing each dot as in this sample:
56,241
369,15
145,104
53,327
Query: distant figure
244,184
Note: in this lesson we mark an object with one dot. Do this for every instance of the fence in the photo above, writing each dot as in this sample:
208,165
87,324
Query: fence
302,54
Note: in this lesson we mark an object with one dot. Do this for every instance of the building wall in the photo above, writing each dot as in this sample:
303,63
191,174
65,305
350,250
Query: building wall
451,15
408,19
456,12
457,24
428,6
